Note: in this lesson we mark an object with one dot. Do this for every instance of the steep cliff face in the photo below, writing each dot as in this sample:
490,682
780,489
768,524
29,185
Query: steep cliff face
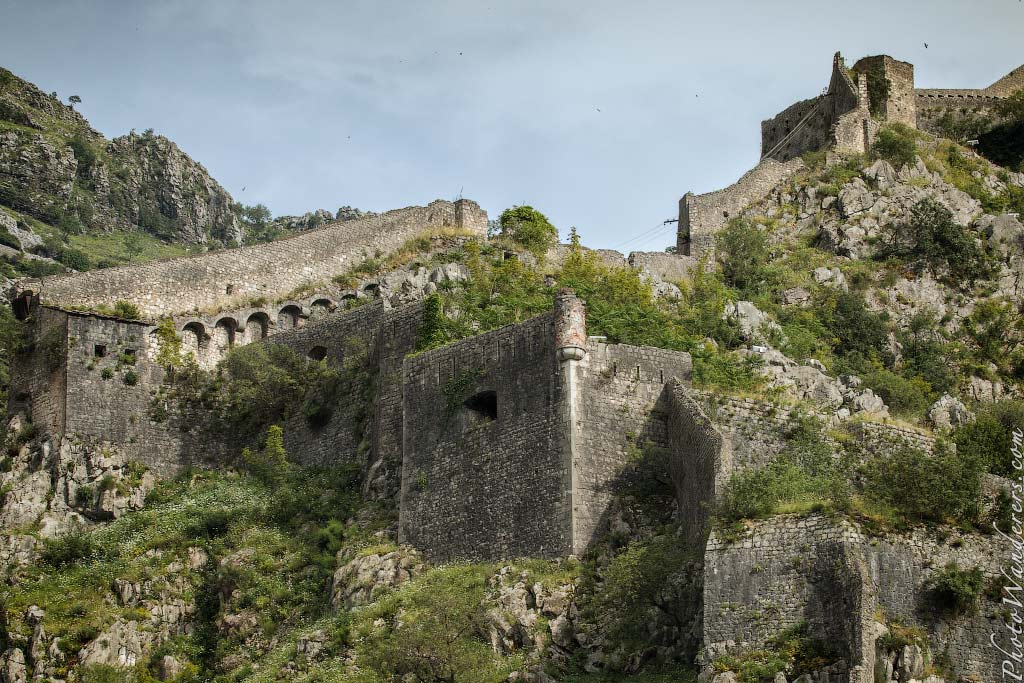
56,168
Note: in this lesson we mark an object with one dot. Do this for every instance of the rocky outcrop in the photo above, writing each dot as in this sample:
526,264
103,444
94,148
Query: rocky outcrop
55,167
358,581
66,486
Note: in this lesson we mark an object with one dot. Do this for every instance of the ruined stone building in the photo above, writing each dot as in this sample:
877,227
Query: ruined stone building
844,118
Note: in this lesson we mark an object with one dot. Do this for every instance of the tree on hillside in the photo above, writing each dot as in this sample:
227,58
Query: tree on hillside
529,227
74,99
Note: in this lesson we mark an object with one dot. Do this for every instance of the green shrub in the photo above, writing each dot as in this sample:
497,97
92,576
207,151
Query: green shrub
130,378
854,328
107,372
69,549
989,437
930,238
742,250
126,310
997,328
270,464
955,590
635,582
528,227
918,487
896,144
807,472
793,651
904,396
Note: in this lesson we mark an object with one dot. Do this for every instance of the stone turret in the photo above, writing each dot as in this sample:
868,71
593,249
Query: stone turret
570,326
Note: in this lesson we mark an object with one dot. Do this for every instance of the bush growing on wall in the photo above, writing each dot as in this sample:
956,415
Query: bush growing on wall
955,590
989,437
896,144
528,227
918,487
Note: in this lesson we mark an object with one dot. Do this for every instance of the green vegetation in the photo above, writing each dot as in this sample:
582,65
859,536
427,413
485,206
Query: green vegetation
793,651
649,574
502,291
930,239
909,486
955,590
989,437
896,143
528,227
810,473
1004,143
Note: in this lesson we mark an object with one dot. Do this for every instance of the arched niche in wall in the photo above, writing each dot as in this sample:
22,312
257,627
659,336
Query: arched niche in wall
224,334
317,353
194,339
257,327
320,308
289,317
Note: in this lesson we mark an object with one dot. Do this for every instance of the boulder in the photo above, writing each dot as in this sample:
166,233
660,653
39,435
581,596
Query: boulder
12,667
752,322
357,581
948,412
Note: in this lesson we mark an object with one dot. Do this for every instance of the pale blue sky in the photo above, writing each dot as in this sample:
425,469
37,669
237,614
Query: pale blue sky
387,104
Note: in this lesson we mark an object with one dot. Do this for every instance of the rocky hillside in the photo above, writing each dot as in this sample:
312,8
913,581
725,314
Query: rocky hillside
867,294
56,168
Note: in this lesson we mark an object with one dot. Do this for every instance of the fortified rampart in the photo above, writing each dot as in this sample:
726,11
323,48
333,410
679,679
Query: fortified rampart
516,440
233,277
845,118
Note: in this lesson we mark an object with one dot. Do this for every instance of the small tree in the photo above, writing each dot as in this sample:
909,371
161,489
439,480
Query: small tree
270,464
74,99
528,227
132,245
743,254
932,239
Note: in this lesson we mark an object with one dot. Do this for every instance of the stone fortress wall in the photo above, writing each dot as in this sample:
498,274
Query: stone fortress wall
844,118
231,278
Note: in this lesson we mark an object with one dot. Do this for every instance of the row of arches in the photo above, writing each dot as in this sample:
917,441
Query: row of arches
208,343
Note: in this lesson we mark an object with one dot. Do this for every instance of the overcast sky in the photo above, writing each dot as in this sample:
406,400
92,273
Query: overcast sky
600,114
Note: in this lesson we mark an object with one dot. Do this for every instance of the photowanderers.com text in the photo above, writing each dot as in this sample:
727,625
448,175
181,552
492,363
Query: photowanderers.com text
1011,644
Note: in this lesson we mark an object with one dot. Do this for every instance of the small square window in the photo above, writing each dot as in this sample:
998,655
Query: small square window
99,351
129,352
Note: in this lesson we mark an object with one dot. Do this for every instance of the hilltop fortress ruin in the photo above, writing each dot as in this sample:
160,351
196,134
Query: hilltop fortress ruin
843,119
513,442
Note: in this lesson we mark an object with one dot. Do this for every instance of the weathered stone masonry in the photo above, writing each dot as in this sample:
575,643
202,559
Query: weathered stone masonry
233,277
515,440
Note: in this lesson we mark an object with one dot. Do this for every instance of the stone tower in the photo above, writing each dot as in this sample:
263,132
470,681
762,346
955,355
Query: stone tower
890,88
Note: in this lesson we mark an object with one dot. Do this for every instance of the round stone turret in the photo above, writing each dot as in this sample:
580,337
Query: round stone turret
570,326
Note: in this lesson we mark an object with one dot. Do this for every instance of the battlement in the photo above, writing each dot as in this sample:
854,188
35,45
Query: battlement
231,278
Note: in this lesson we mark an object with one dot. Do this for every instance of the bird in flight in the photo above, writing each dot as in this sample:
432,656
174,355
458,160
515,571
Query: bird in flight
926,46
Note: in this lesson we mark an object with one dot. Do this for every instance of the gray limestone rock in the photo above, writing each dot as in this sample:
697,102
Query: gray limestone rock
753,324
120,644
948,412
357,581
12,666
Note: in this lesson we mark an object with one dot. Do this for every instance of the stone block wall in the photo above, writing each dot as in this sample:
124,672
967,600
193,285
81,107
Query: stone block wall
110,409
840,581
787,571
700,463
663,266
38,380
346,340
623,409
811,124
233,277
702,216
484,472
